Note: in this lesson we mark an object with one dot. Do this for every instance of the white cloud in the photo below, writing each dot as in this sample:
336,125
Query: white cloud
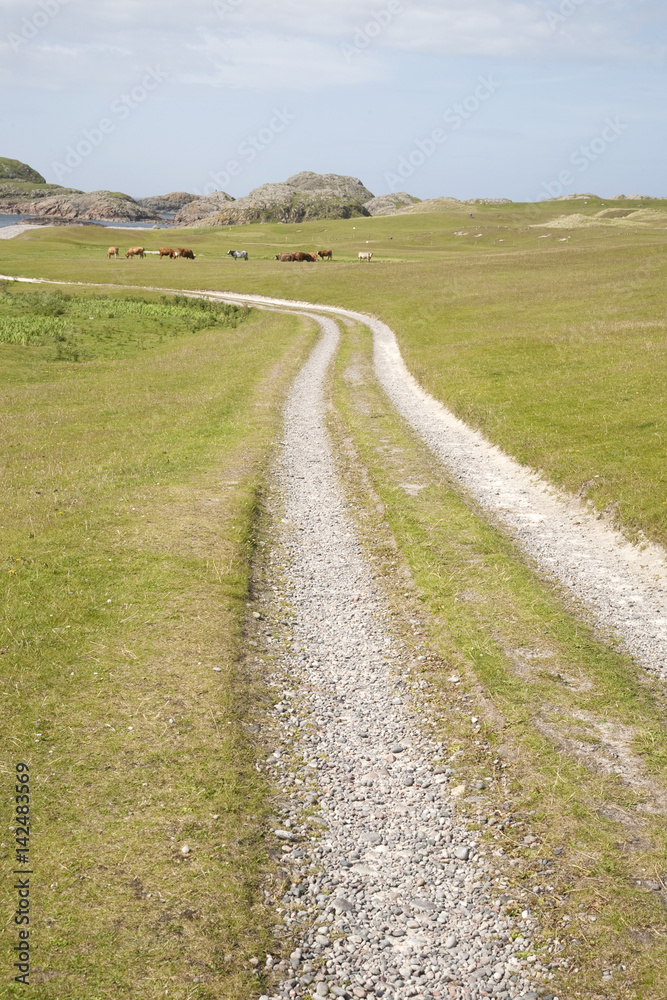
276,62
260,44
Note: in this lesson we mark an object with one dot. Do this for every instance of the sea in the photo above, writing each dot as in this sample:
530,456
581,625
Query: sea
163,223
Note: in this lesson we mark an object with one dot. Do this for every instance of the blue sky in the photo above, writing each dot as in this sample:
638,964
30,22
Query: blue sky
467,98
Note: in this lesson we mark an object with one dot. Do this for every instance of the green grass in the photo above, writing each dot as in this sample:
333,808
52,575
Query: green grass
571,738
85,327
556,350
129,489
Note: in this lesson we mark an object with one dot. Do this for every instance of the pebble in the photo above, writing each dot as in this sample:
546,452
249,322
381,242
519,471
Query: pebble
359,927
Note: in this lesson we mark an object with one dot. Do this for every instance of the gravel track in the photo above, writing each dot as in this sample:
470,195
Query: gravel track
393,900
624,587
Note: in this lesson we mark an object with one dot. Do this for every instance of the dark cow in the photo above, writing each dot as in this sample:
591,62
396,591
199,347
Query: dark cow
284,256
167,252
238,254
183,252
135,252
299,255
325,254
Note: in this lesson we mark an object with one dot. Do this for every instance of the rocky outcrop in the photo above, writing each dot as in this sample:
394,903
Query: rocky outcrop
573,197
488,201
390,204
300,198
14,170
167,202
106,205
436,205
201,208
634,197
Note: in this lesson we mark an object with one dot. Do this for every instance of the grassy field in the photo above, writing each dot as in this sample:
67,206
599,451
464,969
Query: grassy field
129,489
552,735
549,339
543,325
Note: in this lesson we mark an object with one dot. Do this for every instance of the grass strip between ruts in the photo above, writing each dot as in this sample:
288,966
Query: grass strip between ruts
551,733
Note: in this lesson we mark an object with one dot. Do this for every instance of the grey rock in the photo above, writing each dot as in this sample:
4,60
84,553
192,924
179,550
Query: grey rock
462,853
342,905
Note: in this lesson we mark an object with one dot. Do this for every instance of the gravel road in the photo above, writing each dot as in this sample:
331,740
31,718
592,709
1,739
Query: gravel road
393,899
623,586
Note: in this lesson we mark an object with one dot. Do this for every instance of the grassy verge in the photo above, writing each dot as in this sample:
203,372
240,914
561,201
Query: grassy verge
128,493
550,340
547,728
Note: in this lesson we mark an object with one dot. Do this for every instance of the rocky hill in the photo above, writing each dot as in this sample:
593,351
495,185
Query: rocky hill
23,190
304,196
166,202
201,208
110,205
300,198
14,170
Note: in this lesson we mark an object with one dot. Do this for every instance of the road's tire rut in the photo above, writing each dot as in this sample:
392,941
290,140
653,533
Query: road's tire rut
394,899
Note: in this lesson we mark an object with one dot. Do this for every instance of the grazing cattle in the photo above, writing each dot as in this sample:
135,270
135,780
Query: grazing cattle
182,252
167,252
366,255
113,252
135,252
284,256
299,255
325,254
238,254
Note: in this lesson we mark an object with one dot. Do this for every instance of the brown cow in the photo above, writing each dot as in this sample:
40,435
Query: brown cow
183,252
135,252
113,252
325,254
167,252
299,255
284,256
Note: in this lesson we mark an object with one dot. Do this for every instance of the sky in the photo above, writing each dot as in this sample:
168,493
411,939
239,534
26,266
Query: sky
459,98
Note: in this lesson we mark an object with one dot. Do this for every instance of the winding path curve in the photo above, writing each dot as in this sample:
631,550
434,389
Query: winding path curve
622,586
